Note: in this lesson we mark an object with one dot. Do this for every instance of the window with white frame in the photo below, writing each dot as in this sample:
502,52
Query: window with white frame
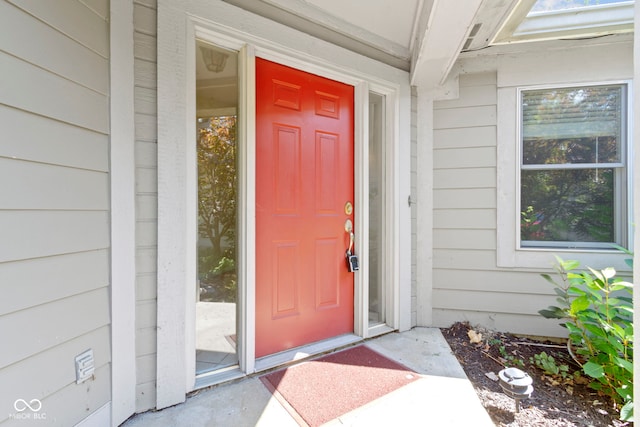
573,177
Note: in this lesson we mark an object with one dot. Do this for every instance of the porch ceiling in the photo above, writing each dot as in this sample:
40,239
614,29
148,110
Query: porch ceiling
378,29
422,36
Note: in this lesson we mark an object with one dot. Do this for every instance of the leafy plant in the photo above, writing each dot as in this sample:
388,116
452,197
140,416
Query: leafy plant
598,311
510,359
218,278
548,364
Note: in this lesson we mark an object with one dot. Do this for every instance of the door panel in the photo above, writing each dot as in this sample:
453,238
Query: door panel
304,177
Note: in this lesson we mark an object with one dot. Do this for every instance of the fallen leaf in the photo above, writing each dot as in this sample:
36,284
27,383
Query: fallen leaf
570,391
474,337
582,380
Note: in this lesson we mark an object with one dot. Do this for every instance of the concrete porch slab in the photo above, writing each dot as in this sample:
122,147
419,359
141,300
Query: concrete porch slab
442,397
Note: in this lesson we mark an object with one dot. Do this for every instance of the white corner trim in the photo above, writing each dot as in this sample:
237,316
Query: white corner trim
123,221
247,209
424,209
401,222
361,202
171,357
190,195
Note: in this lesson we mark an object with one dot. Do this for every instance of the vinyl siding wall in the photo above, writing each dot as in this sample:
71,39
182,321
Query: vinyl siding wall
54,206
468,285
145,24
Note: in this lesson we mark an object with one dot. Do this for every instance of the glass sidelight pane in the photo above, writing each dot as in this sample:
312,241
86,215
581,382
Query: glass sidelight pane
216,109
376,209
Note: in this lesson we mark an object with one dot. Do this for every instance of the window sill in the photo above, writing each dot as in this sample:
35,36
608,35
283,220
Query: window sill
544,258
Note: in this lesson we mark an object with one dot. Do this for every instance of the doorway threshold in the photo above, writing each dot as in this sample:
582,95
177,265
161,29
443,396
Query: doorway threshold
379,329
218,376
306,351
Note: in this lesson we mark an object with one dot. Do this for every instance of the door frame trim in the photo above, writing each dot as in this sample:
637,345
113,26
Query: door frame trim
180,22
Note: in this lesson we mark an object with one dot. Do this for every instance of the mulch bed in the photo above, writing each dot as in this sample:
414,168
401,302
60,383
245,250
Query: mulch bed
554,402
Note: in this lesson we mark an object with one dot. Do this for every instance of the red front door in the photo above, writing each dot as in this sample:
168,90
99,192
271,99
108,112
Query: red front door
304,178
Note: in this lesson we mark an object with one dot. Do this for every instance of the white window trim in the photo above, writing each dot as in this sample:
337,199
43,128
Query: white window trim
179,23
509,252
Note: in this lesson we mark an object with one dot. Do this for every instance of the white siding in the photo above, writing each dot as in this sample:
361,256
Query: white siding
468,285
146,200
54,206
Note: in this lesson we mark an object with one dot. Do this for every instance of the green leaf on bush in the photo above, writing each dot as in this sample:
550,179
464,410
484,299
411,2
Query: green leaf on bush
609,272
548,279
573,329
561,293
579,304
626,413
628,366
552,313
624,392
595,385
616,346
568,265
575,291
627,300
618,331
618,286
593,370
595,330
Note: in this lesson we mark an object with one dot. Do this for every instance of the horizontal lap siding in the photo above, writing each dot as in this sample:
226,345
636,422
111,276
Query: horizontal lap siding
146,200
467,285
62,377
54,205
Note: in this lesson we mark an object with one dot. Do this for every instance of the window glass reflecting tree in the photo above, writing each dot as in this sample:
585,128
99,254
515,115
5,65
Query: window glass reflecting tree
217,188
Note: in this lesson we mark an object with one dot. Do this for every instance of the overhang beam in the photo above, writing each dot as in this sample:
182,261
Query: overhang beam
444,27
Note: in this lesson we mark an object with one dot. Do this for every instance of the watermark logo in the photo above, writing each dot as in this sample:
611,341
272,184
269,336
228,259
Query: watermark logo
22,405
28,410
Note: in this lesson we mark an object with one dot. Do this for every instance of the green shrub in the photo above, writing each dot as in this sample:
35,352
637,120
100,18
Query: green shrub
597,309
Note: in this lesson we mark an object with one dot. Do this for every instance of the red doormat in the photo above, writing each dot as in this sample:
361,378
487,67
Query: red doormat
323,389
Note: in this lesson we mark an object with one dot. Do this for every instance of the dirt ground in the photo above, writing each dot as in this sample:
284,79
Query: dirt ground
554,402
